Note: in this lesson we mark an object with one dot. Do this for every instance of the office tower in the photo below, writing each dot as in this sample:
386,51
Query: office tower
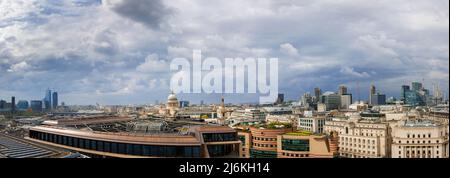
36,106
346,101
331,100
2,104
317,93
47,101
184,104
405,89
13,103
416,86
280,99
378,99
342,90
372,92
55,100
307,100
417,96
23,105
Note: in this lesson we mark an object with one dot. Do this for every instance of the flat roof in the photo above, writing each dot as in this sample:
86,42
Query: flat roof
156,139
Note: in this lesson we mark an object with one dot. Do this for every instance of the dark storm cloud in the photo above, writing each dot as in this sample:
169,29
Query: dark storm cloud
149,12
93,50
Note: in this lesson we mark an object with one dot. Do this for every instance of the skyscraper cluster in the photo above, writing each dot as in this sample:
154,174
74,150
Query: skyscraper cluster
48,103
418,95
50,100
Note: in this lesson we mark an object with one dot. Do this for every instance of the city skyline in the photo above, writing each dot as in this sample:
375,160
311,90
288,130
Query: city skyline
102,52
213,98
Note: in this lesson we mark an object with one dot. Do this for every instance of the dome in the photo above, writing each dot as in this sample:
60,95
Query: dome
172,96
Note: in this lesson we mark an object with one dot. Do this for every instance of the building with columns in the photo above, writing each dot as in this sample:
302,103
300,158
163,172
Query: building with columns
420,139
360,138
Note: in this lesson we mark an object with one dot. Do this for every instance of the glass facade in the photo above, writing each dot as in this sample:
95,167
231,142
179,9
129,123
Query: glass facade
413,98
262,154
119,148
219,150
219,137
295,145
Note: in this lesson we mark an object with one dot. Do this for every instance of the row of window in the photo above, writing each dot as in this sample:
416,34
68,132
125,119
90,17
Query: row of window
418,141
219,137
418,152
423,156
264,139
264,145
418,135
119,148
295,145
418,147
295,155
353,156
359,151
359,146
262,154
354,140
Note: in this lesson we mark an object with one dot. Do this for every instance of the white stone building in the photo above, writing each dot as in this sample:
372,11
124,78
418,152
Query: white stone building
360,138
420,139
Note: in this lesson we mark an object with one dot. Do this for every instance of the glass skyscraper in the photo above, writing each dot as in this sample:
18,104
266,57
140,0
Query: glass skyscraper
36,106
416,95
54,100
47,101
23,105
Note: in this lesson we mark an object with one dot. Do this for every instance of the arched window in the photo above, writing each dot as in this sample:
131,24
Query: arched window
346,130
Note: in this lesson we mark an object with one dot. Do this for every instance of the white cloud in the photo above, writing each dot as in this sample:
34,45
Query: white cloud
287,48
19,67
351,72
153,64
109,45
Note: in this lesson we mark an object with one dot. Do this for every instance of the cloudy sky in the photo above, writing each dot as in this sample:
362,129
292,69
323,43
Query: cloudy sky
118,51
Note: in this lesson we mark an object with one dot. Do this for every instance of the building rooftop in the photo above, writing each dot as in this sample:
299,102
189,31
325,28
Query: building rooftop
163,139
420,123
300,133
274,125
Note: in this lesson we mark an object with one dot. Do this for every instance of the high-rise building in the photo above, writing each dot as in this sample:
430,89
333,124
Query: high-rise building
346,101
405,89
417,86
317,94
378,99
184,104
307,100
2,104
54,100
13,103
331,100
342,90
36,106
280,99
417,96
372,91
23,105
47,101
